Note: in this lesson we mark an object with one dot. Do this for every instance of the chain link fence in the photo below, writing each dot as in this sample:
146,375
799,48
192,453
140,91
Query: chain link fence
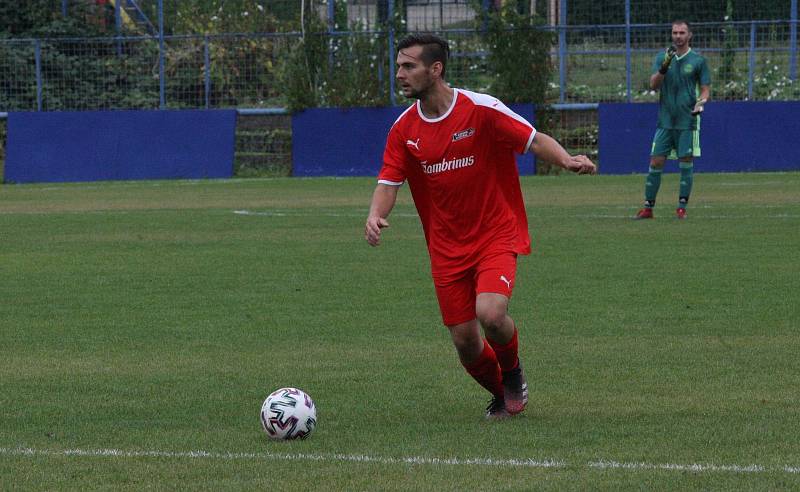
601,52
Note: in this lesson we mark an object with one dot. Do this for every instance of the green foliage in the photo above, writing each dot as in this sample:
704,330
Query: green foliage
354,69
519,56
17,58
730,39
660,12
20,19
324,69
518,63
303,69
221,16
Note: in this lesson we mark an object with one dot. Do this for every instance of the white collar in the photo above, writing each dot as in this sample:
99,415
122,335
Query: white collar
446,113
681,56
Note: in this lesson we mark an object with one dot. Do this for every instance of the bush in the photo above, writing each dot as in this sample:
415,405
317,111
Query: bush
519,55
328,70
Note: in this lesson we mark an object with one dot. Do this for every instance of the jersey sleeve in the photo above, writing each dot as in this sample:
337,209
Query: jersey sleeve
705,73
395,160
511,129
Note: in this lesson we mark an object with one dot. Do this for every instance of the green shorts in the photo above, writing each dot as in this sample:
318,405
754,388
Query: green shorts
675,144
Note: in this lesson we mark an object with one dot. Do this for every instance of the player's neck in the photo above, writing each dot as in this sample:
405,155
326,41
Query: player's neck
437,101
682,50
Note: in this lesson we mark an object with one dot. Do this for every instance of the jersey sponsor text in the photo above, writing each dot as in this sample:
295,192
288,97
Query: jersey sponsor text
446,165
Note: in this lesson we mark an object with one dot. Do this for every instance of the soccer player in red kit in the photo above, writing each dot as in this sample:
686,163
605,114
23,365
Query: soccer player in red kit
456,150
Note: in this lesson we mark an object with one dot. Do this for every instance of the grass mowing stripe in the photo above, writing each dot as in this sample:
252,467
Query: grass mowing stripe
411,460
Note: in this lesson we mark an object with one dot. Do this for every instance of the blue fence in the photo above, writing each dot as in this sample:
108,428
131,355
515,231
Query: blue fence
734,137
64,146
350,142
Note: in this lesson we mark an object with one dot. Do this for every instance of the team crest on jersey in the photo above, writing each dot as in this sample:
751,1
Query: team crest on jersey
463,134
687,69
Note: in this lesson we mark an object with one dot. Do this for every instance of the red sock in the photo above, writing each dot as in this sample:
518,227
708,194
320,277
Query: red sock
486,371
507,353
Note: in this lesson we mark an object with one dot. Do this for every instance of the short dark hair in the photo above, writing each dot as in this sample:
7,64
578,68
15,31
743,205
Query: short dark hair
682,21
434,48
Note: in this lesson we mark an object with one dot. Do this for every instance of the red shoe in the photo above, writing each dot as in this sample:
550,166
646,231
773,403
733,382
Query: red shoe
680,213
515,390
644,213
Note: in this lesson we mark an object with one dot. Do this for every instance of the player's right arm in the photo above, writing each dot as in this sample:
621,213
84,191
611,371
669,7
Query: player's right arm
660,67
383,200
547,148
391,176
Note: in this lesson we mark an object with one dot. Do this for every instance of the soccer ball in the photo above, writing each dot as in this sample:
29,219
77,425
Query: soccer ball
288,413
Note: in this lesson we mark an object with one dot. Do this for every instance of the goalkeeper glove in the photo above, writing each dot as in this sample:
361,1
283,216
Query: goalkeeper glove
667,60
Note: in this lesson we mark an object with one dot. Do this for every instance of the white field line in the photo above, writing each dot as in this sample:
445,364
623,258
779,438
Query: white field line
309,214
411,460
579,216
165,183
669,216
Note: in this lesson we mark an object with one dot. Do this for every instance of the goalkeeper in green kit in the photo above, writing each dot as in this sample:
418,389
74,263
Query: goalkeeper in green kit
684,82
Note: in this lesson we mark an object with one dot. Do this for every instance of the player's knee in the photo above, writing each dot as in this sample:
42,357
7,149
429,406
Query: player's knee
491,315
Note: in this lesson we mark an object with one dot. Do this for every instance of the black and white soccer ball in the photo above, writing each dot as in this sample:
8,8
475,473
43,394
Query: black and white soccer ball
288,413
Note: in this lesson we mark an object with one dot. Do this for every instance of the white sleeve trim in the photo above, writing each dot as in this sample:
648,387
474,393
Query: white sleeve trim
530,141
390,183
494,103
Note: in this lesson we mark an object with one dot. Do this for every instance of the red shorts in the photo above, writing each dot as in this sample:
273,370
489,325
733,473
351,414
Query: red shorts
457,291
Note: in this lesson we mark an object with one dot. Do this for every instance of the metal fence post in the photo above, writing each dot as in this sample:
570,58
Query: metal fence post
118,24
38,58
64,8
207,72
562,50
162,100
751,61
793,42
390,16
628,49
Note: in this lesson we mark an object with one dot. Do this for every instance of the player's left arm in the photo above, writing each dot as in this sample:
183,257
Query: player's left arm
546,147
704,80
705,95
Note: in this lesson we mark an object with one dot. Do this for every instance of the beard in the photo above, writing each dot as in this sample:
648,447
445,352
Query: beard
418,93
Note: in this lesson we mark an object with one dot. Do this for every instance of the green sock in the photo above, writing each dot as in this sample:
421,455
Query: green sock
651,185
687,177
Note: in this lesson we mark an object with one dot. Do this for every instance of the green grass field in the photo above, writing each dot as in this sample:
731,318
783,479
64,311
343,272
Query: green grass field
143,323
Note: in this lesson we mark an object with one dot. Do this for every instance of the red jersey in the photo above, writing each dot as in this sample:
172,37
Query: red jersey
463,177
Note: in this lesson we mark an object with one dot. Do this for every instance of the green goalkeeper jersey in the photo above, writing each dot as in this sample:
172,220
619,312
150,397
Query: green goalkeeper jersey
680,89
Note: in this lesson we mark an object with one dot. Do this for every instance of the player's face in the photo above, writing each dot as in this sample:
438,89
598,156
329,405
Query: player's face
414,77
681,35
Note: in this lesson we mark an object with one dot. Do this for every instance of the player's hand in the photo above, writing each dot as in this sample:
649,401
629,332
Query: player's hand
670,54
698,108
580,164
372,230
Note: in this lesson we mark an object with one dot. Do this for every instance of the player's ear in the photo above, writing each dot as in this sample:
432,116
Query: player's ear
436,68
